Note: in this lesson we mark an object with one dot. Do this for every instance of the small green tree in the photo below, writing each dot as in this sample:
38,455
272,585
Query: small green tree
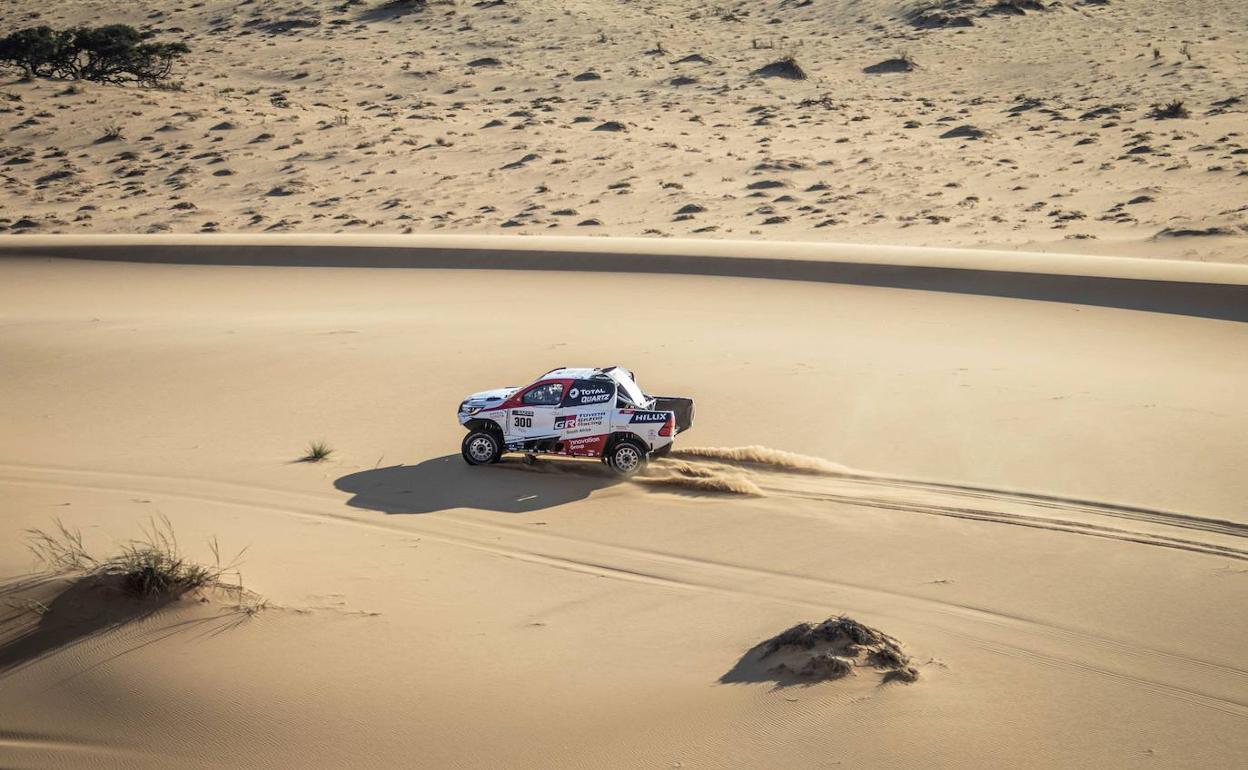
113,53
38,51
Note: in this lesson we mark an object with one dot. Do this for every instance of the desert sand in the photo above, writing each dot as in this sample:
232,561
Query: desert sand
983,392
1042,500
1029,131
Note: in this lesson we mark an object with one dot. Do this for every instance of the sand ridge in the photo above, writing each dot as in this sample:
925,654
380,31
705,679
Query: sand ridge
1208,290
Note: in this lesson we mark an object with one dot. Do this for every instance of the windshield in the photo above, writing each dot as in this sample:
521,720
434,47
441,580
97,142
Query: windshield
545,394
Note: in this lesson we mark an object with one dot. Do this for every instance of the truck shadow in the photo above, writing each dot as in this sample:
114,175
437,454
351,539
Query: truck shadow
444,483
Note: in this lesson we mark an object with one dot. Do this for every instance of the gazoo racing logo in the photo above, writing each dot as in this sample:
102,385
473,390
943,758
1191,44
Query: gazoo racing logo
591,418
648,417
565,422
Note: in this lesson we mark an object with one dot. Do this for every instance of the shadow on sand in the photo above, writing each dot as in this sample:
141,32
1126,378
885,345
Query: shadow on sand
751,668
443,483
43,615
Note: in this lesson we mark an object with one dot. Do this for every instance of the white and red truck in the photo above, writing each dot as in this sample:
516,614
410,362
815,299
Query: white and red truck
585,412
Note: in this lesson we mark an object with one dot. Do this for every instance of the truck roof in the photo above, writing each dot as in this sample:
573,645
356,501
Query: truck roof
571,373
587,373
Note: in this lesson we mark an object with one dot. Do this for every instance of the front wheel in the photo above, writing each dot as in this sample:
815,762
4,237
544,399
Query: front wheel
627,458
481,447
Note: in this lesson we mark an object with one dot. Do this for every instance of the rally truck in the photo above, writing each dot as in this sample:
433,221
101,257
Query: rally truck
574,412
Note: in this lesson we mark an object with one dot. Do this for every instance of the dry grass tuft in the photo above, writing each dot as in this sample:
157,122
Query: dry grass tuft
317,451
149,567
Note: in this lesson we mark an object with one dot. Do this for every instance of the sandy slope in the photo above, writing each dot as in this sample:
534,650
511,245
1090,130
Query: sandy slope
329,116
1046,506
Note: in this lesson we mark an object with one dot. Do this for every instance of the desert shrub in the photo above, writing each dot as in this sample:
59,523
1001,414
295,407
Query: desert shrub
1174,109
317,451
150,567
113,53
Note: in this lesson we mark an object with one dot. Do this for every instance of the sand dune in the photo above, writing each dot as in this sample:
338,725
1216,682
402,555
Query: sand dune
1040,499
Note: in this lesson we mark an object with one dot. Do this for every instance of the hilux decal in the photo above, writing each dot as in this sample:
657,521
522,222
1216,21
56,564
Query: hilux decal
644,417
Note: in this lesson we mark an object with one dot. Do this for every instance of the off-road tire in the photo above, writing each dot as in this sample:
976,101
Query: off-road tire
481,447
627,457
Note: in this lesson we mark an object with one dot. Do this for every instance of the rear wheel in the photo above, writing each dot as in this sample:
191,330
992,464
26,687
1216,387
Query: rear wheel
481,447
627,457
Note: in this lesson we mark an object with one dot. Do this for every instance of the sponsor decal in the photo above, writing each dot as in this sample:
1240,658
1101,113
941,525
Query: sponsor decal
522,412
565,421
589,445
589,394
591,418
648,417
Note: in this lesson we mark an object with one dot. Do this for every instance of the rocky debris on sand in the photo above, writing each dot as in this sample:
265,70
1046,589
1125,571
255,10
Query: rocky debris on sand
834,649
787,69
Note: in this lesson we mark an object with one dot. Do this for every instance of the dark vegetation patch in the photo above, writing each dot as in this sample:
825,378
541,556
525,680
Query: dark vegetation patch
1169,111
114,53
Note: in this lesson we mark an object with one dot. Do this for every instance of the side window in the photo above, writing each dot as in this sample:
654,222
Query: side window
589,392
547,394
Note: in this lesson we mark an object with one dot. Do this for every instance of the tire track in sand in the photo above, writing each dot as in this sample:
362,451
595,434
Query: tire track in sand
784,474
1209,684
